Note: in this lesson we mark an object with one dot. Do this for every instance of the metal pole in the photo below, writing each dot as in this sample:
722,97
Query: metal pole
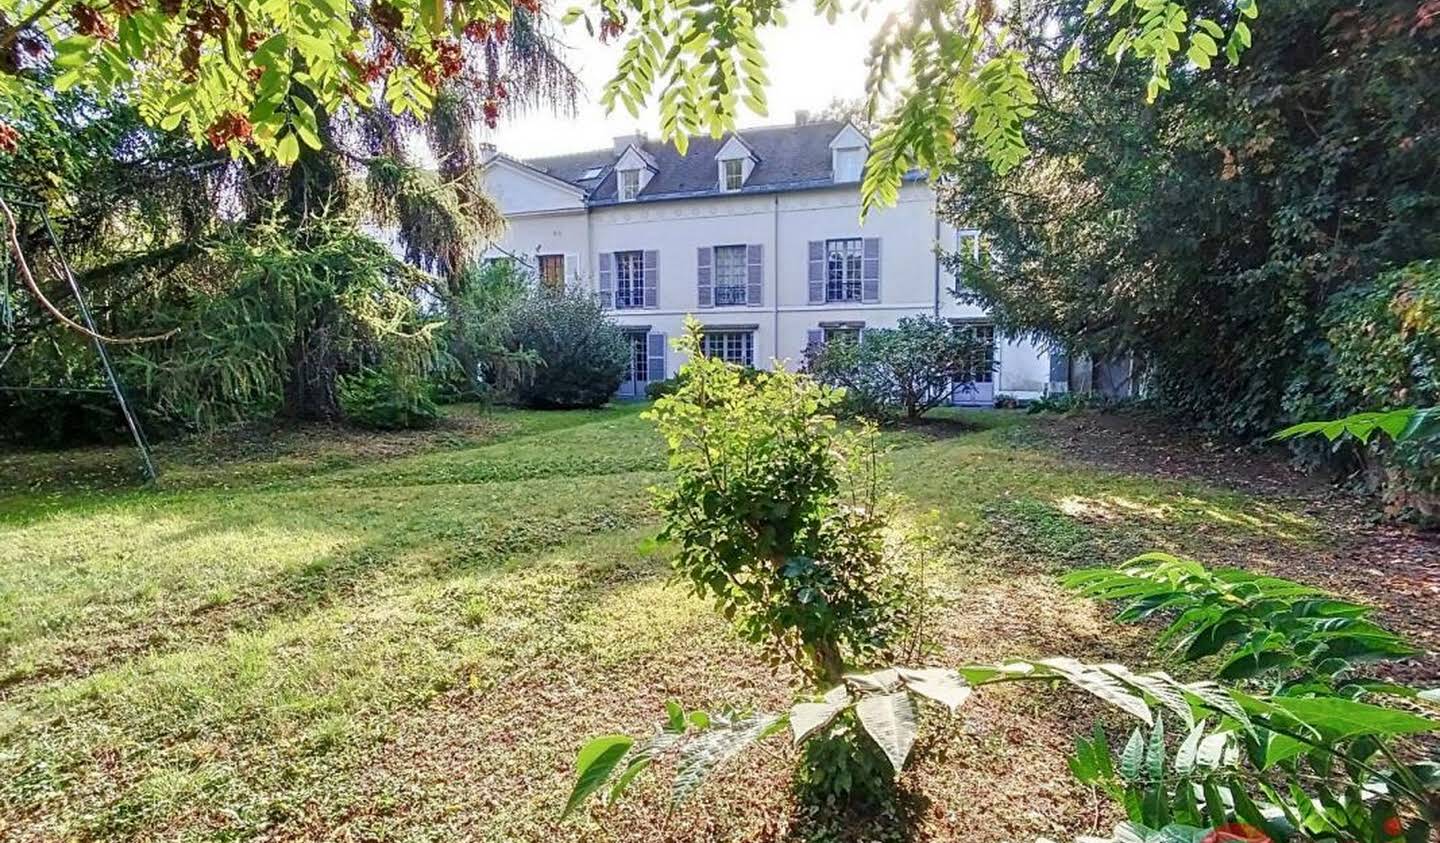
130,420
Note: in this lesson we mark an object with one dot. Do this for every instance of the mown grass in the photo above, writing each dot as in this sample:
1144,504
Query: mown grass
331,635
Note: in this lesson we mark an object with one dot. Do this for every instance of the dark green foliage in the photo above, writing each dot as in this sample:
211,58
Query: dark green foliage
288,313
842,767
902,371
1293,637
478,333
1383,350
386,399
1212,232
775,514
581,354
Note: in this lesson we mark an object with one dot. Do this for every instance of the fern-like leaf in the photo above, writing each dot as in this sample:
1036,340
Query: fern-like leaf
708,750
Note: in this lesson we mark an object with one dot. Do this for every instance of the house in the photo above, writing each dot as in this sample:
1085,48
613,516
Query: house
757,234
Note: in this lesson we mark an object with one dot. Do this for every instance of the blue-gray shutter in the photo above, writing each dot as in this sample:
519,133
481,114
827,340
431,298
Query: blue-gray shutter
755,273
870,271
704,276
607,279
655,351
817,272
652,279
814,337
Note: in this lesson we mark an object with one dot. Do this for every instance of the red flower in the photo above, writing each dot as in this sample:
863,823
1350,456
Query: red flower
1236,833
1392,826
9,138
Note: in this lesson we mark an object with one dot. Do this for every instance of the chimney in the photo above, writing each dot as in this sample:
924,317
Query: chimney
637,138
802,117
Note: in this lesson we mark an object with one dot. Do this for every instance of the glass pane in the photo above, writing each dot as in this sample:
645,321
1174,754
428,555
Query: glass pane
730,275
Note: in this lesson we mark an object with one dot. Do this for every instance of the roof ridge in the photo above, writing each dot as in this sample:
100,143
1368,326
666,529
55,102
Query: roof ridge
704,136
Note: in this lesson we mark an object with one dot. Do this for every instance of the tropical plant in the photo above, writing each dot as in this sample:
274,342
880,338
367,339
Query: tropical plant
579,354
1286,749
1292,637
1399,450
907,370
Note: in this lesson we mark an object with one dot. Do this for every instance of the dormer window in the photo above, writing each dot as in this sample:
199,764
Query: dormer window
849,163
848,150
629,184
732,174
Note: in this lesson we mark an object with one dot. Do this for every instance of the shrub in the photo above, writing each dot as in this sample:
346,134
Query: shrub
581,354
776,514
1383,350
906,370
388,399
486,367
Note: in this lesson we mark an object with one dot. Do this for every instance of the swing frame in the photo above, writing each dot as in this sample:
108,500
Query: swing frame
132,422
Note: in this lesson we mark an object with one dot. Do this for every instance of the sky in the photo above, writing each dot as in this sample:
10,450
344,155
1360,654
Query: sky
812,62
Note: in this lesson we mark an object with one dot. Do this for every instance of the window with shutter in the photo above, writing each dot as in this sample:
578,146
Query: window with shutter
843,259
730,276
629,280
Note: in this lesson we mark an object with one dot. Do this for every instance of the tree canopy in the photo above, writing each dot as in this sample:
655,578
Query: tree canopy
250,76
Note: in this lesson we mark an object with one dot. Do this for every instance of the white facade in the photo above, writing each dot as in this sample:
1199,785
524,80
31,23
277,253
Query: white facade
655,261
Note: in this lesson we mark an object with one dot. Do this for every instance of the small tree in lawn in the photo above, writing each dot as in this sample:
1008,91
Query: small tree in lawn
906,370
775,513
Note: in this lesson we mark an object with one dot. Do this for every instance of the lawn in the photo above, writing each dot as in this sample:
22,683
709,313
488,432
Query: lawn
332,635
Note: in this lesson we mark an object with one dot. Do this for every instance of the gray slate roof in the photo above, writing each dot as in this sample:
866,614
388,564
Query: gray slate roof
791,158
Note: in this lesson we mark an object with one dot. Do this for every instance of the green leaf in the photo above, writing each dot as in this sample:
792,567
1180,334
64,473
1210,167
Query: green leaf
1155,753
890,720
288,149
597,760
807,718
946,687
1101,685
1342,718
712,748
1185,755
1132,757
1072,55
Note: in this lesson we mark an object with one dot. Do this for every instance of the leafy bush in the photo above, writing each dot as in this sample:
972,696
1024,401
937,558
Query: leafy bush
1382,349
1064,402
385,399
1298,638
906,370
776,514
581,355
486,366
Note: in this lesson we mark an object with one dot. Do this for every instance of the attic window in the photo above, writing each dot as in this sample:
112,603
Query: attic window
629,184
732,174
592,173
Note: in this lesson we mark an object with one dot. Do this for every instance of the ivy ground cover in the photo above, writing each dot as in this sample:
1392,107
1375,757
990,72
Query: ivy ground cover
327,635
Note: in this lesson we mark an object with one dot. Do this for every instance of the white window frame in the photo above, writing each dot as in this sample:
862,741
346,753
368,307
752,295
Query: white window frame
732,346
639,366
630,280
852,269
739,283
967,240
732,168
624,187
